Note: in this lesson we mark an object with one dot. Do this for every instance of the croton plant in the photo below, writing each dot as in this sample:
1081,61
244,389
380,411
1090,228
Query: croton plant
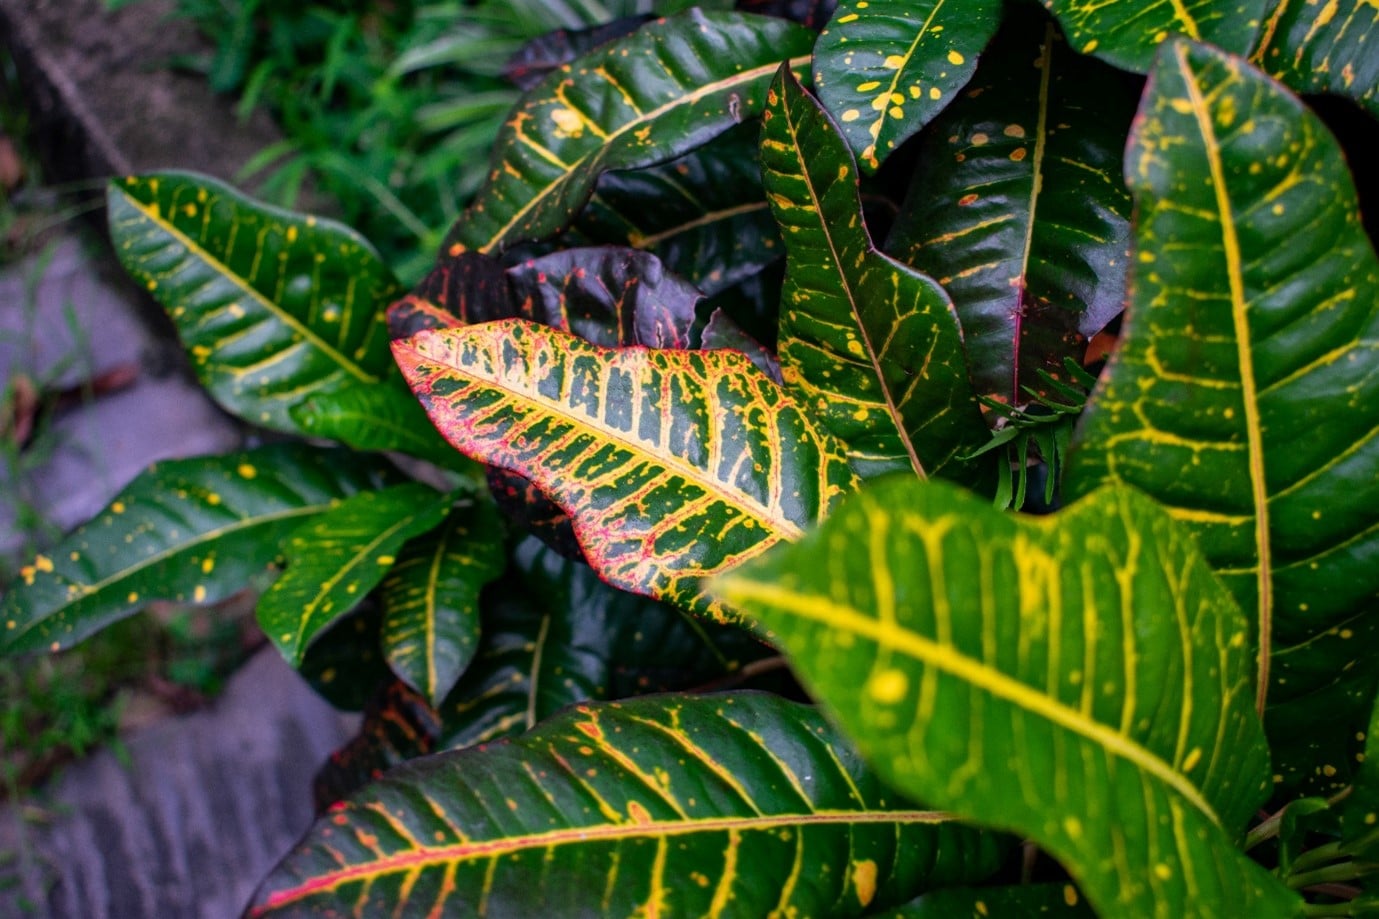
742,518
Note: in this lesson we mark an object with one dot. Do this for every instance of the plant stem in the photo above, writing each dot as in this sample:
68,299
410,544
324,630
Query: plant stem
1315,858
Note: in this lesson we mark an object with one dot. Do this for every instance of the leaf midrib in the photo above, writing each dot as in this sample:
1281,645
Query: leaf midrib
1249,389
422,857
491,343
869,253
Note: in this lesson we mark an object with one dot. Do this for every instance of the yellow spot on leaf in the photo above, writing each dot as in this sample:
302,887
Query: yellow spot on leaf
1089,47
1193,757
850,17
935,93
246,471
1014,130
117,507
1073,827
868,86
43,563
639,814
1069,891
979,138
1018,154
888,686
132,598
207,565
894,61
567,122
386,559
1163,871
864,879
851,115
292,234
955,58
199,595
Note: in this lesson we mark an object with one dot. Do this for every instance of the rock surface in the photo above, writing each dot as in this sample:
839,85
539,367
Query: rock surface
206,805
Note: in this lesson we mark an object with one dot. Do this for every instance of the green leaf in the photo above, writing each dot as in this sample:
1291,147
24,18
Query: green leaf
380,416
431,599
1323,47
1081,679
1360,812
1010,902
272,307
673,464
193,530
1248,325
337,558
652,96
1020,209
704,215
872,346
664,806
1127,32
884,70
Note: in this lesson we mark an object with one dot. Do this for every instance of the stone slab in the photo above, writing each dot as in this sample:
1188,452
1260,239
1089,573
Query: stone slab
206,804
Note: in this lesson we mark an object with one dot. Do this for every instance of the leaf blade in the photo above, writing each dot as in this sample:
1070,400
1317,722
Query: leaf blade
271,306
682,788
885,70
1126,34
651,96
645,449
191,530
872,344
334,560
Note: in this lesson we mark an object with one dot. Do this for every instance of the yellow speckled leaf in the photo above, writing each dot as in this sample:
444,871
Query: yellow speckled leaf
883,70
1324,47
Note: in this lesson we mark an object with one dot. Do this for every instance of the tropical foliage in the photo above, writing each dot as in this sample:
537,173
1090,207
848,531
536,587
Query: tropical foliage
636,632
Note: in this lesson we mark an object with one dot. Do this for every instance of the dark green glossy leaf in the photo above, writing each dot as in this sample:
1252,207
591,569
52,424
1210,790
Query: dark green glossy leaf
379,416
1023,901
871,346
193,530
667,805
337,558
1081,679
344,665
1019,208
273,307
1127,32
538,57
884,70
553,634
1253,326
1359,813
652,96
1323,47
704,215
431,598
673,464
812,13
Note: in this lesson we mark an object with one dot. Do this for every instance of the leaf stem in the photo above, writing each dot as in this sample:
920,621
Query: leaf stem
1343,871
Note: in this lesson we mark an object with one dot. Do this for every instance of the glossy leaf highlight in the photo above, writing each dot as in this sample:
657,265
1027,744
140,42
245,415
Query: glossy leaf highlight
872,346
1323,47
272,307
673,464
669,806
1081,679
193,530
